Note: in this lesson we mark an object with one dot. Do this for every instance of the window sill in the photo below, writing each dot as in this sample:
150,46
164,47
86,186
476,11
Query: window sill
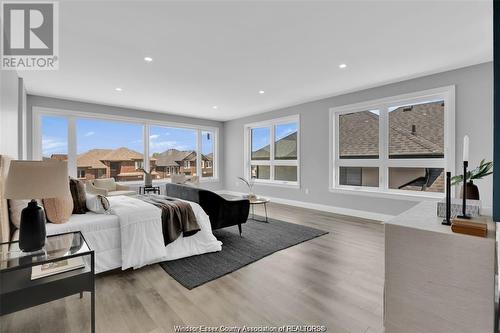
412,196
275,184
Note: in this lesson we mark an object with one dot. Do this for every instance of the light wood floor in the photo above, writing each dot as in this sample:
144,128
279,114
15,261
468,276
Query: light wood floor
334,280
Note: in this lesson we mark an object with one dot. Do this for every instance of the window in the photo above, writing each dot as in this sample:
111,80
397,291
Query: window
100,147
402,144
54,137
207,153
109,149
80,174
273,151
173,151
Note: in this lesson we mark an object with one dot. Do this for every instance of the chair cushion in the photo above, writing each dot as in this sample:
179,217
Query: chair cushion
77,188
115,193
58,210
105,183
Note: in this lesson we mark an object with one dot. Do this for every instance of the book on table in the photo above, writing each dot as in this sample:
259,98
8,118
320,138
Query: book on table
56,267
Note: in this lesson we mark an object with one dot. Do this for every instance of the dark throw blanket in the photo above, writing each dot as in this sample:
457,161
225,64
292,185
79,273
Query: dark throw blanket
177,217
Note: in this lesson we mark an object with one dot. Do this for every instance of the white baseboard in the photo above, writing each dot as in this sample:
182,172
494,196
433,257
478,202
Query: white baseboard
325,208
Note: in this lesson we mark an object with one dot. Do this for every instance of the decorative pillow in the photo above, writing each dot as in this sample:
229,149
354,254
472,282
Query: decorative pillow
58,210
97,203
77,189
15,209
106,183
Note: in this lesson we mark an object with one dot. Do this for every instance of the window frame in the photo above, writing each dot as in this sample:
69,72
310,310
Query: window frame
272,162
72,116
447,94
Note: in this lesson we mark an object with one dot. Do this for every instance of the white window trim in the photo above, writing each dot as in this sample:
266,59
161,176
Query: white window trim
72,115
448,162
247,152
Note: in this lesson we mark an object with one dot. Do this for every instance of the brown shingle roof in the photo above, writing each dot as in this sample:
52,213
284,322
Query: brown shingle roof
285,148
92,159
413,131
122,154
172,157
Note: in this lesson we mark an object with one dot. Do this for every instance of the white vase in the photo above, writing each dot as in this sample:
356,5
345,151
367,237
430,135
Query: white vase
148,179
251,196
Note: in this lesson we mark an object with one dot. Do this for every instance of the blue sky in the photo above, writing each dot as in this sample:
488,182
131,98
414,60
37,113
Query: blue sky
261,136
91,134
55,136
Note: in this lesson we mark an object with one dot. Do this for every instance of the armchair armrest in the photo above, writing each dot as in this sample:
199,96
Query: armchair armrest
89,187
120,187
222,212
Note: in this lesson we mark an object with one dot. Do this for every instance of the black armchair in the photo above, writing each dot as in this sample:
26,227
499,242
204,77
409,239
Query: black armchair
222,212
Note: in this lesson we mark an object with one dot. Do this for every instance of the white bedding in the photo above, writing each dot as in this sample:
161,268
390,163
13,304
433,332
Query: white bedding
104,235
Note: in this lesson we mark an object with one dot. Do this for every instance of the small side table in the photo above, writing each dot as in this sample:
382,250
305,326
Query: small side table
259,201
148,189
19,291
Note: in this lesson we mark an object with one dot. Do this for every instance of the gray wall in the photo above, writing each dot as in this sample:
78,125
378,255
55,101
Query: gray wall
11,95
55,103
474,116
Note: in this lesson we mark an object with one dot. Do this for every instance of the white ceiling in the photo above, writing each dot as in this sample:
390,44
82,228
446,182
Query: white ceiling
223,53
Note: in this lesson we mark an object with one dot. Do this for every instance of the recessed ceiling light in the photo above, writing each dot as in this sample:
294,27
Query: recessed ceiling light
148,59
261,92
342,66
215,107
118,89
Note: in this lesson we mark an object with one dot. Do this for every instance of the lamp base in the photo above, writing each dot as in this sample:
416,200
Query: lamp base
32,231
465,217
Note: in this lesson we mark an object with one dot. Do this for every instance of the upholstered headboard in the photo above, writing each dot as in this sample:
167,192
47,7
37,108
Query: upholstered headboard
4,208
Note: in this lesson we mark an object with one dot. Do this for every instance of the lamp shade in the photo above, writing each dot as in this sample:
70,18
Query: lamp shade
37,180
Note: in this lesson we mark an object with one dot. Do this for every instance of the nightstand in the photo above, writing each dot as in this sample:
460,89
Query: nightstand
30,279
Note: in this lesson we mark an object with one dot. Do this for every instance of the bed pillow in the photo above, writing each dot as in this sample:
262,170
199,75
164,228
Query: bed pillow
77,188
58,210
15,209
97,203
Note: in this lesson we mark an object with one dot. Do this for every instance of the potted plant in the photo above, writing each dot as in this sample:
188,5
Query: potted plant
250,183
148,178
483,170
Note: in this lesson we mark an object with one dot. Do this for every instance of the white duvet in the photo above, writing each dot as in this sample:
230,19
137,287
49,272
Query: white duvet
142,237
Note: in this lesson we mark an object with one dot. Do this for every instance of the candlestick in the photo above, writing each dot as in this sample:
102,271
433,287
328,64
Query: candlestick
464,191
447,220
466,149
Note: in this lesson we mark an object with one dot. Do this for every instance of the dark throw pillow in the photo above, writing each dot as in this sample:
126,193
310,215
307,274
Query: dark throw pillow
77,189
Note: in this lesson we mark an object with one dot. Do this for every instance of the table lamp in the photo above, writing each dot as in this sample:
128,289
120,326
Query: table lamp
35,180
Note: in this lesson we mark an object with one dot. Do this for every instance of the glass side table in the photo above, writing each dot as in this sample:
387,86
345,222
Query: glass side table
64,267
259,201
149,189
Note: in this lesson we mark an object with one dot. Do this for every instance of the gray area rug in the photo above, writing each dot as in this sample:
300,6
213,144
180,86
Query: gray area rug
259,240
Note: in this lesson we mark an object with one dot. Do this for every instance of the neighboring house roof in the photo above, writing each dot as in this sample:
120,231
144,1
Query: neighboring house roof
171,157
92,159
286,148
59,157
174,157
122,154
416,130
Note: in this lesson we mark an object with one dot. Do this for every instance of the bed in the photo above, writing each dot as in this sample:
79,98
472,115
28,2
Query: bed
105,232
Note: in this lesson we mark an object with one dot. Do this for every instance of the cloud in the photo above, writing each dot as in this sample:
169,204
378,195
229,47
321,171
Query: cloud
89,133
51,145
154,136
165,145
